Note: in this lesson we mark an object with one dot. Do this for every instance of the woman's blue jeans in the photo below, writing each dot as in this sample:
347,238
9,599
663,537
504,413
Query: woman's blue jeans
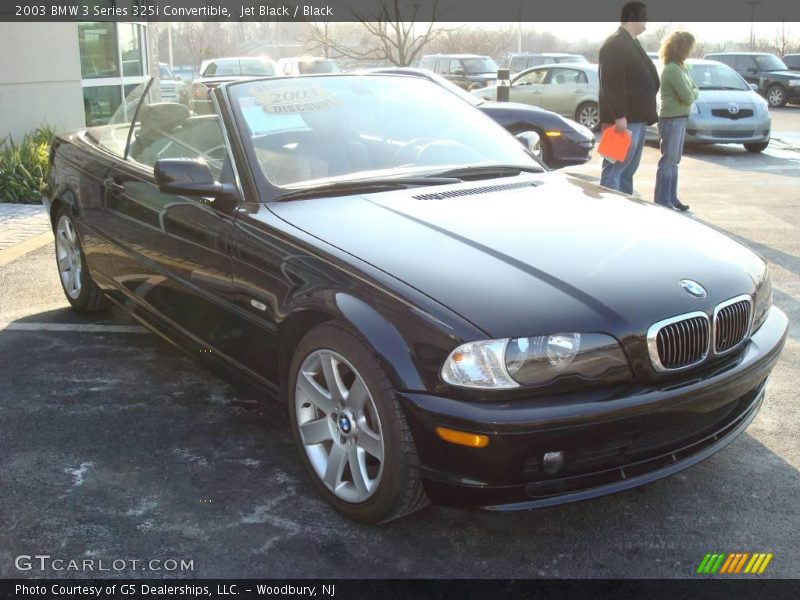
672,132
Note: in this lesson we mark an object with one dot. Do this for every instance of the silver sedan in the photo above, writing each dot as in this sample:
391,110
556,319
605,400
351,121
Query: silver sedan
569,89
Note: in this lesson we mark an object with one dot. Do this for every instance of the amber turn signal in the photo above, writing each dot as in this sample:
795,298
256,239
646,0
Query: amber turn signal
473,440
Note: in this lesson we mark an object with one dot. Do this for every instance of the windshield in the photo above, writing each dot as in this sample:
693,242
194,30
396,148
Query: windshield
164,72
308,67
769,62
307,131
716,77
252,67
479,65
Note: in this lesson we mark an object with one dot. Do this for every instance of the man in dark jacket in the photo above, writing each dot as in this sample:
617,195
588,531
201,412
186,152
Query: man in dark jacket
628,88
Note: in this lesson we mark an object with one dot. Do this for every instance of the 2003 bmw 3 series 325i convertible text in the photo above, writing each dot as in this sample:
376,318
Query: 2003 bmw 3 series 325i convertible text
445,319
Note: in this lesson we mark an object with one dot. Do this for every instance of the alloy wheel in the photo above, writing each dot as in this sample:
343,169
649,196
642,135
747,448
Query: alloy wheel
775,96
68,255
589,116
339,426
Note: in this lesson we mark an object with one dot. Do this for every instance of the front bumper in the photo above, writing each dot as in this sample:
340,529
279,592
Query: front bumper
571,149
611,440
704,129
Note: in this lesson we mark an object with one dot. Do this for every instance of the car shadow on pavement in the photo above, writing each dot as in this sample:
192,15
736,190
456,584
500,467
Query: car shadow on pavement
117,445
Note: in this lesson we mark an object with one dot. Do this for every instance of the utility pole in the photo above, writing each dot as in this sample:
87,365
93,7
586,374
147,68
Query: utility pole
752,4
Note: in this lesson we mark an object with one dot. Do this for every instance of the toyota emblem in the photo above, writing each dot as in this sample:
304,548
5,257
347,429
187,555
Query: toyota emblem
733,108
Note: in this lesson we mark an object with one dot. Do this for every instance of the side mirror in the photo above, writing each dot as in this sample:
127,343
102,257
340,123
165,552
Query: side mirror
532,143
754,87
178,78
459,72
190,177
752,70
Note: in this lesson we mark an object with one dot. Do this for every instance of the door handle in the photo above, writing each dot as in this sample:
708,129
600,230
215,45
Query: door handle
113,187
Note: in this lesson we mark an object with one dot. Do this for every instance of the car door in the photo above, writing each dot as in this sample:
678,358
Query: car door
171,250
565,90
529,86
746,67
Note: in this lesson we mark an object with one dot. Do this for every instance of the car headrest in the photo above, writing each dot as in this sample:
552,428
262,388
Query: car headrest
164,116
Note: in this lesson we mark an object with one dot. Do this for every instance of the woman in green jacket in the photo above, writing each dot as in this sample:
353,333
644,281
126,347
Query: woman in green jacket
678,93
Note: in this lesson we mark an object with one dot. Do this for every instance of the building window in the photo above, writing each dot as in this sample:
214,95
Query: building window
113,61
130,46
98,48
100,102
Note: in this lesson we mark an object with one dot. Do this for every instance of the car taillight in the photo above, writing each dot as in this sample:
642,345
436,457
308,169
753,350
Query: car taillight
199,91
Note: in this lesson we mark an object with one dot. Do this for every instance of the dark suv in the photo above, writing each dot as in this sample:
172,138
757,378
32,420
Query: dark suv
468,71
775,81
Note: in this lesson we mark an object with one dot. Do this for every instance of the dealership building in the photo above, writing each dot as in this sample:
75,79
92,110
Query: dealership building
67,75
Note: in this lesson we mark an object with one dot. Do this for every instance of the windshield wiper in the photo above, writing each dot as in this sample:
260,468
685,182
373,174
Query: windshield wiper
488,171
360,186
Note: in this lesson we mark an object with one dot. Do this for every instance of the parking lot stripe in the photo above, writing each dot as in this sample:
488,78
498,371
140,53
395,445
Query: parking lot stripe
74,327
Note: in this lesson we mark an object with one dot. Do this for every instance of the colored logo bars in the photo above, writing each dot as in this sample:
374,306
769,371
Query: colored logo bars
738,562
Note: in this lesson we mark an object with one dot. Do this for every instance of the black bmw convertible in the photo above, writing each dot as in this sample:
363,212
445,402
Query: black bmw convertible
443,320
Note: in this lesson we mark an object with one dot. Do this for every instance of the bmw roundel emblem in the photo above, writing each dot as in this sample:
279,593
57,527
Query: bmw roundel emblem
693,288
344,424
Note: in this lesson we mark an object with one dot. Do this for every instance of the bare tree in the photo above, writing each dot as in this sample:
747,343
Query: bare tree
392,33
783,42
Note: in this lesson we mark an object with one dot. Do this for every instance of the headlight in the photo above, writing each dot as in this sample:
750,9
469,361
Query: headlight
794,82
695,110
536,361
762,104
763,301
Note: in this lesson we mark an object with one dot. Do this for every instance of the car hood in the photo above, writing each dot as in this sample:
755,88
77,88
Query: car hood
560,255
712,96
783,74
500,107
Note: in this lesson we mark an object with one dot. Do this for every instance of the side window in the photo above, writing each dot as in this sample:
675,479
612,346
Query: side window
167,130
567,76
211,70
517,63
744,62
441,66
532,78
455,65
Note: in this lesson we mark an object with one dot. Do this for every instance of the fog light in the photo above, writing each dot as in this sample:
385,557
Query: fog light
552,462
473,440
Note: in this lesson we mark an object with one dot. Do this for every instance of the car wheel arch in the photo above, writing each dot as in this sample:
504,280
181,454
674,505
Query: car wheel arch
60,199
373,328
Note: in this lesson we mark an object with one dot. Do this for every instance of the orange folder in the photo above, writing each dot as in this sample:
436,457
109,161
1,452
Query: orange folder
614,145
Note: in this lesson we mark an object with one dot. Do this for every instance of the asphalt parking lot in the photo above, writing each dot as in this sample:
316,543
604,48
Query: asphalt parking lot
114,445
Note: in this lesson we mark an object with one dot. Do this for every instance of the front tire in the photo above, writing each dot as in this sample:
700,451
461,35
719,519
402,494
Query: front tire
350,430
76,281
776,96
755,148
588,115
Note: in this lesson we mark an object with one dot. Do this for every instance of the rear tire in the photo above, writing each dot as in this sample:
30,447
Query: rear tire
349,428
755,148
76,281
588,115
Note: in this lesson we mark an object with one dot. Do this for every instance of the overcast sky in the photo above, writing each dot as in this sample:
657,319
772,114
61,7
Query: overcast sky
710,32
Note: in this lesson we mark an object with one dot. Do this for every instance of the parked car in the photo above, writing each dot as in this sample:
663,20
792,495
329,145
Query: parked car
525,60
727,111
307,65
569,89
792,61
467,71
775,81
561,142
443,319
173,88
216,71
